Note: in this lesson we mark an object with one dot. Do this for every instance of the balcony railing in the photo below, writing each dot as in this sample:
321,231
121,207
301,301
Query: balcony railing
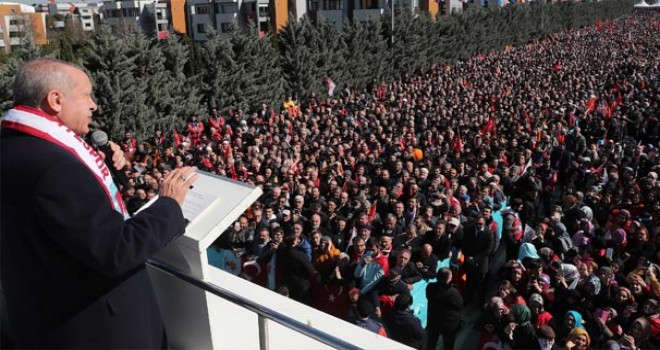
264,313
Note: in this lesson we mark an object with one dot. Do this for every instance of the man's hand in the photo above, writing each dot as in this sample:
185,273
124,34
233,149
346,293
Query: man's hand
118,159
178,182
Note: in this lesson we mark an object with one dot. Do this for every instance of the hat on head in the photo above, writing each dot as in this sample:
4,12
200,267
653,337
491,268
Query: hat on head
536,298
326,239
286,212
454,221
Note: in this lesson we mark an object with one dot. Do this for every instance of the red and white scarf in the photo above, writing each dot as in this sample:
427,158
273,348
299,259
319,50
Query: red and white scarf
39,124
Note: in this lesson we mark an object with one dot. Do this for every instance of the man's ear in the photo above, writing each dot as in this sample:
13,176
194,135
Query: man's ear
53,102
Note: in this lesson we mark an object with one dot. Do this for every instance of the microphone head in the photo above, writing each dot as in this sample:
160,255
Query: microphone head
99,138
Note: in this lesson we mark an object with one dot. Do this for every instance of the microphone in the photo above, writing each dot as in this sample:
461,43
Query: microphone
100,139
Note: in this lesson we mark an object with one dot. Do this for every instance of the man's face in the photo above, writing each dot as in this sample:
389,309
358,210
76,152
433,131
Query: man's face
76,104
316,221
403,258
244,223
361,246
399,209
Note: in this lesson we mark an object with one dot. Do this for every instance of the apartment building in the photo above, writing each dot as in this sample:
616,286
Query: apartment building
152,16
17,21
223,14
80,12
194,17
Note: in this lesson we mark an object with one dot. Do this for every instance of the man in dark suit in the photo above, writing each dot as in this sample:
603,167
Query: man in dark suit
296,270
72,260
477,245
444,311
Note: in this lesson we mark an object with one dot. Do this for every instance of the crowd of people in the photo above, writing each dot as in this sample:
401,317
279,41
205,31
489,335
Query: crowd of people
367,192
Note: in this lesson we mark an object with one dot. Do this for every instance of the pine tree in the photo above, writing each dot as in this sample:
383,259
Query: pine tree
376,50
357,72
331,56
182,93
28,50
218,60
270,81
7,74
296,43
119,96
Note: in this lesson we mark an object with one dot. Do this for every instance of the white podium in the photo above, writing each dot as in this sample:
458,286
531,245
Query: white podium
211,206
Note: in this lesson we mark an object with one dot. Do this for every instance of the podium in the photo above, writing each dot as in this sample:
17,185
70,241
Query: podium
211,206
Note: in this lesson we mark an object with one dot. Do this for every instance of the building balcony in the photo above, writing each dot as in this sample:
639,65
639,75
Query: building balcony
226,18
130,4
362,15
111,5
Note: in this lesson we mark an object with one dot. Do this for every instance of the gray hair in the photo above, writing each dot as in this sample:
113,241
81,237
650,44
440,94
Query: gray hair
36,78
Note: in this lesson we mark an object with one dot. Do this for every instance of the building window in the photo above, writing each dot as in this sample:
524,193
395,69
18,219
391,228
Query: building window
313,5
228,8
131,12
14,22
15,34
201,28
372,4
225,27
332,4
88,25
202,10
263,11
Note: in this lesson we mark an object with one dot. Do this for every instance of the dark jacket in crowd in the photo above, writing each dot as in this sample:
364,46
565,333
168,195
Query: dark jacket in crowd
296,274
444,307
405,328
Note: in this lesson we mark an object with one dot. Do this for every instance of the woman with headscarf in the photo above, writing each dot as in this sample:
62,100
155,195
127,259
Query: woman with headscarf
520,332
578,339
624,303
571,320
540,317
527,250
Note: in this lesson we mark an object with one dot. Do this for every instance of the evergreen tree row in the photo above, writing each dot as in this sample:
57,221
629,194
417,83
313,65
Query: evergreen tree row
142,84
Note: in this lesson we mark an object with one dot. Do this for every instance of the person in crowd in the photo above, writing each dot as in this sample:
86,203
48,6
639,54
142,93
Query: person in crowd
403,325
296,270
444,311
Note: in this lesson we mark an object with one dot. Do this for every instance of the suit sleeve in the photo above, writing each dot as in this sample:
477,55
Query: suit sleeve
413,274
76,213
